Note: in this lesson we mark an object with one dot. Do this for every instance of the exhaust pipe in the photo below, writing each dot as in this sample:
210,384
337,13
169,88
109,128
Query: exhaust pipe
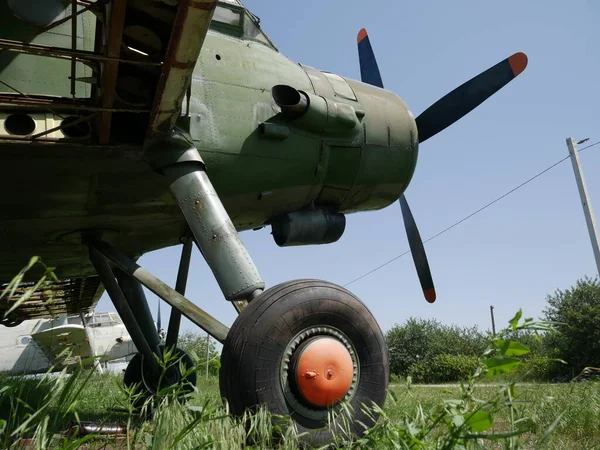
292,102
315,113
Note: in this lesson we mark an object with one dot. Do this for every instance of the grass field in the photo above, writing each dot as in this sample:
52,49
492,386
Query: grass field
52,405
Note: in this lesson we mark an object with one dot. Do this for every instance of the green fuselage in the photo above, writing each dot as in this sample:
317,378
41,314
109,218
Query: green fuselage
51,190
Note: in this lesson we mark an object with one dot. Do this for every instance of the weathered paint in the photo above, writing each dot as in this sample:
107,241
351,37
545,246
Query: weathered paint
60,189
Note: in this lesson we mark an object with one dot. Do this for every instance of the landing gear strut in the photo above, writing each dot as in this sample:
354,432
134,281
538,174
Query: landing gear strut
303,348
144,369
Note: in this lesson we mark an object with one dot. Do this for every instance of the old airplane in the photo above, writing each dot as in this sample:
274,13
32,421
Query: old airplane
130,126
51,344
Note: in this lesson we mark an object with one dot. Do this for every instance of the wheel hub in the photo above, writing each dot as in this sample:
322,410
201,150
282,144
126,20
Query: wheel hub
323,370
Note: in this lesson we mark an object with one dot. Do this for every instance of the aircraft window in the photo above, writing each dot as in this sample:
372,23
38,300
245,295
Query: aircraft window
340,86
101,318
252,31
232,18
227,15
115,318
24,340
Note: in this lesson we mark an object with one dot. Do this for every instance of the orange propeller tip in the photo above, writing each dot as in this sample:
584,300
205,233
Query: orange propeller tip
430,295
361,35
518,63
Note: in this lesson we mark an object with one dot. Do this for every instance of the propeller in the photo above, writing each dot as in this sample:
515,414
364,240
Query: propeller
468,96
440,115
369,73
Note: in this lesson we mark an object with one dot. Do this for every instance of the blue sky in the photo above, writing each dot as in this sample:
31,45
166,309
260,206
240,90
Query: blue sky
512,254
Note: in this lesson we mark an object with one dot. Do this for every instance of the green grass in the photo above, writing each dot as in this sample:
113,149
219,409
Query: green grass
501,416
578,428
212,427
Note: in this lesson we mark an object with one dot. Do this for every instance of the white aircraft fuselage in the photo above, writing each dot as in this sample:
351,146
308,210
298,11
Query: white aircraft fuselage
35,346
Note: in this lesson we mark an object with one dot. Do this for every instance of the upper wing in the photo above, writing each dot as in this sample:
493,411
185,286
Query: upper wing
119,67
188,32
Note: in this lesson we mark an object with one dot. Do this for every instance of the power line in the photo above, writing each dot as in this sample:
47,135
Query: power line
471,215
591,145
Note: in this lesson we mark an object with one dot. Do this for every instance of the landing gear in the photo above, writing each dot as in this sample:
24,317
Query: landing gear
147,384
305,348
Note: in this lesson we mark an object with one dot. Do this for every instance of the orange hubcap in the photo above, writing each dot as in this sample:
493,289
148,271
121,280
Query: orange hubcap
324,371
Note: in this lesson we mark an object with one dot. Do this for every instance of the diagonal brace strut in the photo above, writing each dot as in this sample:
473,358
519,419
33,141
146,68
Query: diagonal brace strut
197,315
119,300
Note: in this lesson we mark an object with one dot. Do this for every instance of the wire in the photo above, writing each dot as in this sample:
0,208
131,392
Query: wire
591,145
471,215
26,96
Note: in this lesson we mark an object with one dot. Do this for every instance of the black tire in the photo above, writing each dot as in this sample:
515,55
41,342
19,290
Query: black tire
254,350
135,373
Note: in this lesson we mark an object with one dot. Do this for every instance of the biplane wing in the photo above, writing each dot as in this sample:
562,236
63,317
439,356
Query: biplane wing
167,32
189,30
64,345
94,77
138,58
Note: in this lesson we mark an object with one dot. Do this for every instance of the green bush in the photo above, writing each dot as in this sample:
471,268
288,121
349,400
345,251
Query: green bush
539,369
576,312
443,368
418,340
195,345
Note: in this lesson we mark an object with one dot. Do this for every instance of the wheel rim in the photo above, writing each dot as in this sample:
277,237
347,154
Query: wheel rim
319,371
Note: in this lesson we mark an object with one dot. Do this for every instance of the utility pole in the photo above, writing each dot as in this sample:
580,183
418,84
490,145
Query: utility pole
587,207
493,323
207,352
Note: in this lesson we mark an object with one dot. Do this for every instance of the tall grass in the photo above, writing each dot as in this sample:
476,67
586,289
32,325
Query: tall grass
48,411
53,411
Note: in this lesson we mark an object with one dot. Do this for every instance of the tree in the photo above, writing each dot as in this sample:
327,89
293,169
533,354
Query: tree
409,343
195,345
418,340
577,311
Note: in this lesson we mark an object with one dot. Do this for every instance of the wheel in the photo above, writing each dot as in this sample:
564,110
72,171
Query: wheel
304,348
10,321
136,372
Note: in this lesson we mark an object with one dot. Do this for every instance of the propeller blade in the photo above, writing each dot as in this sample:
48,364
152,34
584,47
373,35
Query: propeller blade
369,72
418,251
468,96
158,321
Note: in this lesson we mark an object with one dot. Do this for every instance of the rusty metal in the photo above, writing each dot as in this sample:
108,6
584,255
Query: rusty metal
63,125
69,296
63,53
20,102
25,95
71,106
38,31
84,428
197,315
188,33
239,305
109,79
73,46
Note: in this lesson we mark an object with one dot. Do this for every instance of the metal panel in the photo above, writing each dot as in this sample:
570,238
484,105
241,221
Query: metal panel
69,296
188,33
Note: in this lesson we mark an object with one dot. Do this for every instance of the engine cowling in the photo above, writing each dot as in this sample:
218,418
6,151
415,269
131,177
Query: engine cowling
369,141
